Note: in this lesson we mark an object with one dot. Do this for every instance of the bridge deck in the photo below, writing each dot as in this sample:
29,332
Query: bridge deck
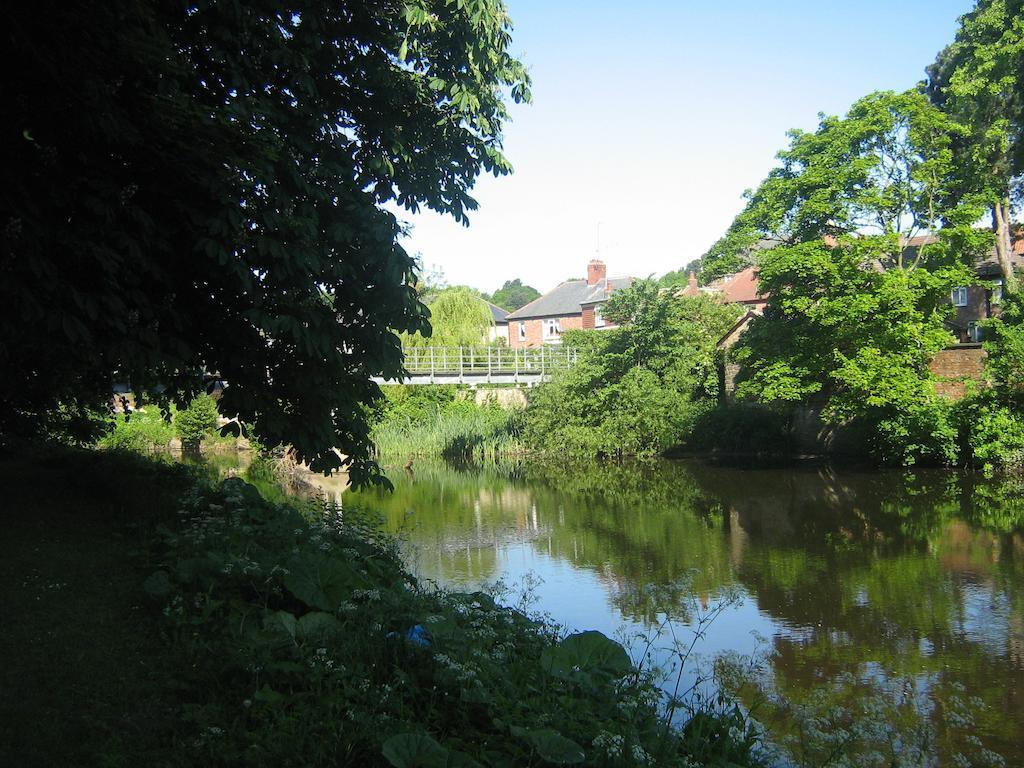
483,365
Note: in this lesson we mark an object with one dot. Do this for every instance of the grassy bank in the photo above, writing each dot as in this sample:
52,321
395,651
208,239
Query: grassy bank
206,625
444,421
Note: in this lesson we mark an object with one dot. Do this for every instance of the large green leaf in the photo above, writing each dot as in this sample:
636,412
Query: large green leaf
315,625
551,745
321,582
586,652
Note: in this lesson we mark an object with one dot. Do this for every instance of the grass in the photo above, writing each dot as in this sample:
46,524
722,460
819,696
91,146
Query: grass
458,430
85,680
157,618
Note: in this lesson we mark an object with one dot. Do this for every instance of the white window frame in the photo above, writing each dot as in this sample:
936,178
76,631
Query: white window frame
552,327
958,296
974,331
522,330
598,317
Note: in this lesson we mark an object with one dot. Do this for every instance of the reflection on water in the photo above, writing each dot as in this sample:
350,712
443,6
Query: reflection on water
891,605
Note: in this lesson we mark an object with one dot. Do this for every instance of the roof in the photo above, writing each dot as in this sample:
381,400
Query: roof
499,315
569,298
988,265
741,288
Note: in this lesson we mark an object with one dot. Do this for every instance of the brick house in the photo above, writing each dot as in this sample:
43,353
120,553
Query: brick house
575,304
498,333
978,302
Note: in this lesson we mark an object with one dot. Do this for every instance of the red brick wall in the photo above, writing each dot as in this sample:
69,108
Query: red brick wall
955,366
535,331
588,318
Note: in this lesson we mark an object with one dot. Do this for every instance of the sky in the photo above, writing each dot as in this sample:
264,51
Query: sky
650,119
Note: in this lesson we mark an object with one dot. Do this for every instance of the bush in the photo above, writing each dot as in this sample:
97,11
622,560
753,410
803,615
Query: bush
742,428
991,433
141,431
197,422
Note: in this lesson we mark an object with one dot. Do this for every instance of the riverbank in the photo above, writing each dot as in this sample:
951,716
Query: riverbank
159,618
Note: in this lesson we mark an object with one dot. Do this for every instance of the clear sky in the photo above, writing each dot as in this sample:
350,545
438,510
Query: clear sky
650,119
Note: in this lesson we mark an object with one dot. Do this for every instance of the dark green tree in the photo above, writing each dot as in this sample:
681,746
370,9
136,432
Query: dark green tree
857,306
513,295
636,388
199,187
979,79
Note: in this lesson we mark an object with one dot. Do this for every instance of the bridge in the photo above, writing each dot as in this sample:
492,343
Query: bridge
483,365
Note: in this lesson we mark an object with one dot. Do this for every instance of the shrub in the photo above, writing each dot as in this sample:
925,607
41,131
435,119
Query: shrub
991,433
197,422
143,430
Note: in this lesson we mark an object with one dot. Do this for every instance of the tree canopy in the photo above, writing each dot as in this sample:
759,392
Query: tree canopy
199,188
459,317
637,387
979,79
513,295
857,306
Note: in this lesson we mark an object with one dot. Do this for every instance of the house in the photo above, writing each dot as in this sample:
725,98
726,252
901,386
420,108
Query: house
978,302
498,334
740,288
573,304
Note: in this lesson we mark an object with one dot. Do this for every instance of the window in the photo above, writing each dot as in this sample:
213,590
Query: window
997,292
959,296
522,331
598,317
974,331
552,327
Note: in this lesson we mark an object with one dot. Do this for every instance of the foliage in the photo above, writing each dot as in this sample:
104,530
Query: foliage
680,277
313,640
991,432
978,79
197,422
513,294
857,309
742,428
1005,348
442,421
199,187
142,430
635,388
458,318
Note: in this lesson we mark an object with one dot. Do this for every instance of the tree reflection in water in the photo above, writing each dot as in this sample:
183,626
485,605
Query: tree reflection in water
893,600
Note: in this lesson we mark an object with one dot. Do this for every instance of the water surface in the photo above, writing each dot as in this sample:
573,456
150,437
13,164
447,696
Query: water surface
886,609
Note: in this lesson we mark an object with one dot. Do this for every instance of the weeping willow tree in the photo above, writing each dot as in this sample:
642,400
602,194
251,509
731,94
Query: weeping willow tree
459,318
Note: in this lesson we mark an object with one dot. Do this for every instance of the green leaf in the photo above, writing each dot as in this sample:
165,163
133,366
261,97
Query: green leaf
587,652
551,745
321,582
316,625
414,750
287,620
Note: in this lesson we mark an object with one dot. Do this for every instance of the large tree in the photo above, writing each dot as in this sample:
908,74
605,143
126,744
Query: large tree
513,295
979,79
857,305
198,187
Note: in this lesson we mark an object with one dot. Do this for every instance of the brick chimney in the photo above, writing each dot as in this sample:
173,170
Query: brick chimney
596,272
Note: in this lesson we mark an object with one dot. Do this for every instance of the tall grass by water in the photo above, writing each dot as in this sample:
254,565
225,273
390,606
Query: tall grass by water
443,422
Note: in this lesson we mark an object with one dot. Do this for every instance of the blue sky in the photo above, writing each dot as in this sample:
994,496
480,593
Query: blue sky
650,119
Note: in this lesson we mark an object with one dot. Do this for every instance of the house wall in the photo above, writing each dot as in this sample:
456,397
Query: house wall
498,332
587,319
955,366
535,330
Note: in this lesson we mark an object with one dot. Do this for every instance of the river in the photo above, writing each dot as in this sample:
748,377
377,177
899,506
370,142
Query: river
858,615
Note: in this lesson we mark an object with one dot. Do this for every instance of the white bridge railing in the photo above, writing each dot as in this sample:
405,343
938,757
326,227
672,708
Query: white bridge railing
430,365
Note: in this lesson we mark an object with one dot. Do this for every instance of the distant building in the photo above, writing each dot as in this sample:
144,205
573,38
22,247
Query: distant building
573,304
498,333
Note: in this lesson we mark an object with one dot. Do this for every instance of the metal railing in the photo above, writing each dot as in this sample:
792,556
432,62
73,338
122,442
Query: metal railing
486,363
